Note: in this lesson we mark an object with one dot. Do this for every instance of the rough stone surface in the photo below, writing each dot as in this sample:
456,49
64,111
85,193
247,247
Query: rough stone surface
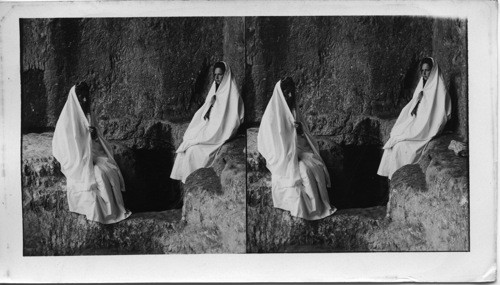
428,211
450,48
50,229
140,69
351,72
214,210
429,204
151,74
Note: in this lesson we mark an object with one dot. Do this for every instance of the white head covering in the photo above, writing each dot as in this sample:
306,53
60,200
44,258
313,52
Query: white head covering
225,117
433,111
277,141
72,146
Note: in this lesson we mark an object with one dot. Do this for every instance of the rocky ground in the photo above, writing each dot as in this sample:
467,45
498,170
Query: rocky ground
213,219
428,211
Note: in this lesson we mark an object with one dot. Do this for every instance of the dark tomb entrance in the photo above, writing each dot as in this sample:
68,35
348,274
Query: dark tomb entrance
356,184
147,179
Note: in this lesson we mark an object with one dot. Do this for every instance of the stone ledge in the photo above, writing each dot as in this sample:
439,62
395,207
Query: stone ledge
214,204
274,230
433,198
39,167
428,211
50,229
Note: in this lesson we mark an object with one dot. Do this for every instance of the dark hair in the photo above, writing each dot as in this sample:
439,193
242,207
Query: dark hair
427,60
220,65
287,85
82,90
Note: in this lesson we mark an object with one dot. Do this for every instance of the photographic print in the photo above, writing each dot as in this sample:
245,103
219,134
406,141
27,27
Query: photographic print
248,141
130,136
362,143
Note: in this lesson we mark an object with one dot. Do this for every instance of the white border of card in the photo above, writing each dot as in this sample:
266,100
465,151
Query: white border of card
477,265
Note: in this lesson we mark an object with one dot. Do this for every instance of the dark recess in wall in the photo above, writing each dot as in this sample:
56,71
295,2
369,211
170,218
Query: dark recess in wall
34,107
359,186
153,189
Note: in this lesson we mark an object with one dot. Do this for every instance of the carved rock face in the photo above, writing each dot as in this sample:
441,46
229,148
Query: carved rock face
148,70
139,70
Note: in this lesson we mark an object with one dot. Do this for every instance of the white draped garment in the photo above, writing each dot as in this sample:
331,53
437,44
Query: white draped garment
203,137
299,175
94,181
410,134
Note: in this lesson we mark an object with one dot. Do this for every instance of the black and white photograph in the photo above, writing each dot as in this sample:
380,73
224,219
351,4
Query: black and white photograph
130,134
249,141
362,142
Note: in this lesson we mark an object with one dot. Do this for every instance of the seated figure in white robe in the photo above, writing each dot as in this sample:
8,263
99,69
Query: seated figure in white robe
94,181
420,120
299,175
212,125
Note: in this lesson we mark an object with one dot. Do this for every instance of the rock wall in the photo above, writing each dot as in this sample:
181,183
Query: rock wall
346,68
450,48
146,73
352,71
149,75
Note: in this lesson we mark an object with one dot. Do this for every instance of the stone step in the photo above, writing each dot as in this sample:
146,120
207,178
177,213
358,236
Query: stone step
428,211
277,231
432,197
274,230
214,224
49,198
214,203
49,227
61,232
39,167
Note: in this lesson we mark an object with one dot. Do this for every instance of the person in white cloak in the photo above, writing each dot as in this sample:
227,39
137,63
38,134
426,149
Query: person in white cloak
420,120
212,125
299,175
94,181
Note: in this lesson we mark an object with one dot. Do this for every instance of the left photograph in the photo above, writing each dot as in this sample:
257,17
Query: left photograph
133,136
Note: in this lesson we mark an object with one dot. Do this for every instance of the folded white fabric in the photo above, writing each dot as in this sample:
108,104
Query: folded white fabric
93,190
410,133
204,137
299,175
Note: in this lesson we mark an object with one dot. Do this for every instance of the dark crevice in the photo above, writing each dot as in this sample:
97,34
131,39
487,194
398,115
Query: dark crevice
147,180
34,104
357,184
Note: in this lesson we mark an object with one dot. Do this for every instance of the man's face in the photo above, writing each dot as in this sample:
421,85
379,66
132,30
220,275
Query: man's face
425,71
218,75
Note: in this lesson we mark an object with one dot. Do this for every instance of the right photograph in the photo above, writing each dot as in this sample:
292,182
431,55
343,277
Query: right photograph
357,134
